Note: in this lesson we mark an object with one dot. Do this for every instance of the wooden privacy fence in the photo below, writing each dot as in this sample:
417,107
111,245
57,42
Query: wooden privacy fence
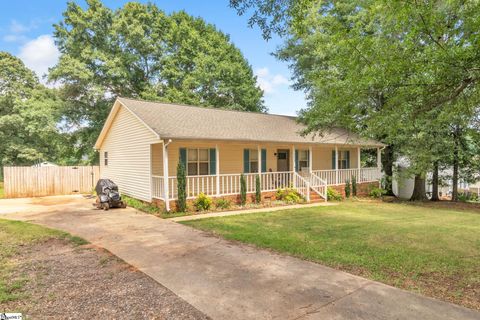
48,181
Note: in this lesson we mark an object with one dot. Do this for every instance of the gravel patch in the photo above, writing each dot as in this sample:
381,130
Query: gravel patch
68,282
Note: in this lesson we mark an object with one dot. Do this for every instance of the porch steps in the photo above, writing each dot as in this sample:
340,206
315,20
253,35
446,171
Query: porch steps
314,197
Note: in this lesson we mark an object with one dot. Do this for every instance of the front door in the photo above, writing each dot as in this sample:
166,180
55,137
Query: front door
283,160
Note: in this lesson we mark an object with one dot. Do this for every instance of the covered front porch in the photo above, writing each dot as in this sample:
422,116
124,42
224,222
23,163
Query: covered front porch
215,167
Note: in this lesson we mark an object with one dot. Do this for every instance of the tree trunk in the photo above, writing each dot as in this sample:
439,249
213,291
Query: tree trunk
456,135
419,189
435,182
387,163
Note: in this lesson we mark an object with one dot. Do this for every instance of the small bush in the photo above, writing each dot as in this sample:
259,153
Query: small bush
223,203
258,190
289,195
348,189
140,205
377,192
243,190
333,194
354,186
202,202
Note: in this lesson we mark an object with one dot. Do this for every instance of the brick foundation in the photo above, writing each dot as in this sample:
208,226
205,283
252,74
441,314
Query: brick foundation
363,189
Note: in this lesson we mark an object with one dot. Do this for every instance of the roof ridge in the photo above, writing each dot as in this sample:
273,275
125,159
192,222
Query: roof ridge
211,108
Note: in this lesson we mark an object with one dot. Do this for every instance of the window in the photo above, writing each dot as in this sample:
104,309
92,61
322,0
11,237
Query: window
253,161
105,158
302,160
198,162
343,159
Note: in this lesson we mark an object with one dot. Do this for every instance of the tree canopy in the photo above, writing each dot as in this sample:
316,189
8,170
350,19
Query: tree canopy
406,73
139,51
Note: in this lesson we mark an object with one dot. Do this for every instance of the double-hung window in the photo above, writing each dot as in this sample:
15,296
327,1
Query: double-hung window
198,162
105,158
343,160
253,161
303,160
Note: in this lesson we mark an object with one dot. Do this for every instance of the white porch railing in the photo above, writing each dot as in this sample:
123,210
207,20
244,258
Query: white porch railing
229,184
362,175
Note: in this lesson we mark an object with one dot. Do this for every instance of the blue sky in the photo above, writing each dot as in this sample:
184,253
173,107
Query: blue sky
26,31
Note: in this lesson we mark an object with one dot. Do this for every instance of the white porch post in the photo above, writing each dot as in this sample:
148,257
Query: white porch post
217,170
293,166
379,160
165,176
359,165
336,165
310,160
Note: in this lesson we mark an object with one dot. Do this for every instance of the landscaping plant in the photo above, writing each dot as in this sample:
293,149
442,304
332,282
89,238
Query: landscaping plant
289,195
377,192
258,190
354,186
333,194
347,188
181,188
243,190
202,202
223,203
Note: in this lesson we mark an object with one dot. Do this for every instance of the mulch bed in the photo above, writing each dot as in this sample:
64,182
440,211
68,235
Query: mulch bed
68,282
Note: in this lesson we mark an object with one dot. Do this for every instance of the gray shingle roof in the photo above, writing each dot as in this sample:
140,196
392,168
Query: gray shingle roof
189,122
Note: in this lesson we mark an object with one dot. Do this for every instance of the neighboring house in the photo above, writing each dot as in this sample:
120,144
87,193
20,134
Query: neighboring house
142,142
403,182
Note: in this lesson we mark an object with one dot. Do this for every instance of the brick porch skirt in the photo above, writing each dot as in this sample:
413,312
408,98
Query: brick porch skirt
362,190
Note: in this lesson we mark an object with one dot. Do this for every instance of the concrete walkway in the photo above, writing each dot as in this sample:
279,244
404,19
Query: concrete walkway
226,280
247,211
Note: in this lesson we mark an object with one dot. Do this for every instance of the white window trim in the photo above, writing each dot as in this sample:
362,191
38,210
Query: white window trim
342,156
307,161
250,160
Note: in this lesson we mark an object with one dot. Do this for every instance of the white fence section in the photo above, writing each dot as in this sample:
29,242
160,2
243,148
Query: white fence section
48,181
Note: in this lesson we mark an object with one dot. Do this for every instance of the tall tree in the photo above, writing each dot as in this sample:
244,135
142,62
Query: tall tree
393,70
139,51
29,114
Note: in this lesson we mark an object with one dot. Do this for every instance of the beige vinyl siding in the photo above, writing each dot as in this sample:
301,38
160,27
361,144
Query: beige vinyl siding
128,145
231,155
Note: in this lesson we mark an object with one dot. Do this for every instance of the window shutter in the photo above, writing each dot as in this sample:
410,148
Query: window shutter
347,154
333,159
246,161
213,162
296,160
264,160
183,157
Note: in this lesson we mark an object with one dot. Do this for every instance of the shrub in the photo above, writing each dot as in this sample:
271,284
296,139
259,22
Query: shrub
181,188
347,188
223,203
243,190
258,190
202,202
354,186
332,194
289,195
377,192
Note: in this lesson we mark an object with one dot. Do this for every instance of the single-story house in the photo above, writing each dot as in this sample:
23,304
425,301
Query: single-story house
142,143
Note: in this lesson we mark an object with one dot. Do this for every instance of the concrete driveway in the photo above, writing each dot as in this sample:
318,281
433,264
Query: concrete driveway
226,280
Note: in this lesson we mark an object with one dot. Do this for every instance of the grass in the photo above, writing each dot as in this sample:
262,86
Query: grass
151,209
435,251
16,236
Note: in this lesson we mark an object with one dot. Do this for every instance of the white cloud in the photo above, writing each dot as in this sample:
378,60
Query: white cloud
268,82
40,54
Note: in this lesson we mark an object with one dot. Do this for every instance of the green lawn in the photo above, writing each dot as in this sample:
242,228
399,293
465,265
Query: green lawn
435,251
16,236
